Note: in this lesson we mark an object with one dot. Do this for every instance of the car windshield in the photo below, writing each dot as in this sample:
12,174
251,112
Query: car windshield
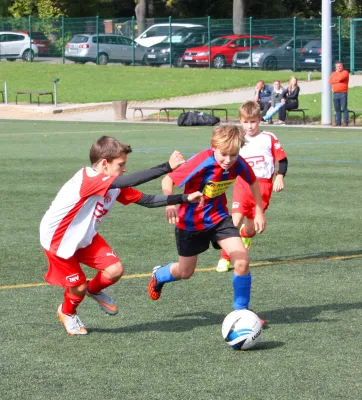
79,39
276,42
178,37
220,41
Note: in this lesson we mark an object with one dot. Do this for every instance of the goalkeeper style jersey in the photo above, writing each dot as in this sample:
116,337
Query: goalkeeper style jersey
202,173
73,218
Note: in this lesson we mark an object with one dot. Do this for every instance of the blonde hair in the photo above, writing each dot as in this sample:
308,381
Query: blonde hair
109,148
290,82
249,110
228,138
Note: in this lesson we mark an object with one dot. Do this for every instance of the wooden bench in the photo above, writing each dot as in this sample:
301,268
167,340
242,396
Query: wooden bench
299,110
353,112
168,109
31,92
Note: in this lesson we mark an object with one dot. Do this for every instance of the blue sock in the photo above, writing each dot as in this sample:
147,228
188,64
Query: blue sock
163,274
242,289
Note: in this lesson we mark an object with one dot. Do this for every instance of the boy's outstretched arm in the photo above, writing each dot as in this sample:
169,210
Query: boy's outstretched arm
259,220
176,159
278,184
167,189
161,200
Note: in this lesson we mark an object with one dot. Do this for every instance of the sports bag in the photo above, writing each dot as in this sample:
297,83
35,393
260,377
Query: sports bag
197,118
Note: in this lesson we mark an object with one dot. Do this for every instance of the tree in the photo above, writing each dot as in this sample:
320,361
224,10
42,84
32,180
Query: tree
239,14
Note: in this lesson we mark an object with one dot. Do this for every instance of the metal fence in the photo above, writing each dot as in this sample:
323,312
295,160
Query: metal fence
53,35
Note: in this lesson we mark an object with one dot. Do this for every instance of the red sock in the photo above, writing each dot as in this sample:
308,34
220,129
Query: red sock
71,302
99,282
224,255
244,235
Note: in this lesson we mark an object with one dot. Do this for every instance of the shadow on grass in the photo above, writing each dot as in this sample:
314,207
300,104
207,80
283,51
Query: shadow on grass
298,315
180,323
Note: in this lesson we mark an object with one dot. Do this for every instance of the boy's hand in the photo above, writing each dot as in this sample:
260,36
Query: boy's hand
259,221
196,197
278,184
171,214
176,159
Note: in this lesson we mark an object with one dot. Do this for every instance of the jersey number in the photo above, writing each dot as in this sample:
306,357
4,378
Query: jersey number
99,211
253,161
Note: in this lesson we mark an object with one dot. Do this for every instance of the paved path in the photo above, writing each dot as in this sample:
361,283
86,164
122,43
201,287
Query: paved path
103,112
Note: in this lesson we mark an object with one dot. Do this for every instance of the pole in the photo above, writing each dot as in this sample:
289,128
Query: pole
63,40
97,31
294,43
326,62
251,42
6,92
133,43
209,38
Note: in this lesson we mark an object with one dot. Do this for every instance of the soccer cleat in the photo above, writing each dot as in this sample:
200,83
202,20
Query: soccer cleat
246,241
106,303
154,287
223,265
72,324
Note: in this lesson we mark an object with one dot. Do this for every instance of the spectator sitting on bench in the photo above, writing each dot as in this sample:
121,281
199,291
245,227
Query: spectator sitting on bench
290,100
263,95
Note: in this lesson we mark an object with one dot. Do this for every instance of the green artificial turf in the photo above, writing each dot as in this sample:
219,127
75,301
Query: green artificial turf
306,271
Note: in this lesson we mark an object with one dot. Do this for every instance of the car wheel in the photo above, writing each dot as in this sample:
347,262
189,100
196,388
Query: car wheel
10,59
219,62
177,62
103,59
270,64
28,55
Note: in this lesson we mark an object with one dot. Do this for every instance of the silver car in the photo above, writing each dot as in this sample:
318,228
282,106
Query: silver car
14,45
111,48
278,55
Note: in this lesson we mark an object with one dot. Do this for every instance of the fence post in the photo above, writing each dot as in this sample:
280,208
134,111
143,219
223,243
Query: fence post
294,43
352,54
170,36
339,39
209,37
97,33
251,43
31,47
133,49
63,40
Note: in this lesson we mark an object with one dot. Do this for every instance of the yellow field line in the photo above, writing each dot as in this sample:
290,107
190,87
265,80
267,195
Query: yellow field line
254,265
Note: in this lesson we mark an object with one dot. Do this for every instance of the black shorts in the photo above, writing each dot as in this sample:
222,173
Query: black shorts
191,243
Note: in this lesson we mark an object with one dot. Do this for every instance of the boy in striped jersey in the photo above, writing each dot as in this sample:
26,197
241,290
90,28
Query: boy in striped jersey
211,172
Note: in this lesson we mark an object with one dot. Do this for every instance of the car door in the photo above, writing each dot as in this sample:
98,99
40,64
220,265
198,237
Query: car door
232,47
2,45
110,46
12,44
124,48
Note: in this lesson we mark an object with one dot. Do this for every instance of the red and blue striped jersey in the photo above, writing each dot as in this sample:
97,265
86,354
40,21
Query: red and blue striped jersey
202,173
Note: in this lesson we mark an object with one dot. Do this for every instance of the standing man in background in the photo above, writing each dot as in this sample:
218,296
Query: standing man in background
339,81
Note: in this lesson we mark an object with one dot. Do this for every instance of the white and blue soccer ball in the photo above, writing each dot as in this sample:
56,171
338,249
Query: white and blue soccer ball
242,329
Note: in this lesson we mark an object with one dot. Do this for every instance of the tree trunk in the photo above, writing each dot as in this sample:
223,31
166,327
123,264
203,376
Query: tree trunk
141,14
239,15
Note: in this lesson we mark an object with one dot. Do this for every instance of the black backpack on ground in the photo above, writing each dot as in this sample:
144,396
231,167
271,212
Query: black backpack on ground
197,118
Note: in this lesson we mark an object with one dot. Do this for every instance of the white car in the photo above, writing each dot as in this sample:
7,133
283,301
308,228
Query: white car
14,45
156,33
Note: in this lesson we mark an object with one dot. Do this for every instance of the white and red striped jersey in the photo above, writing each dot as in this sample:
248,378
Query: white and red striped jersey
74,216
261,152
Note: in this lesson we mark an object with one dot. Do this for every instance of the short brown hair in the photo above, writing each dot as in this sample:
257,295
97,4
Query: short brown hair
249,110
109,148
228,138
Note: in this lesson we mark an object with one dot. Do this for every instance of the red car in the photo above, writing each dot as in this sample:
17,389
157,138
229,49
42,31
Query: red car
223,49
42,42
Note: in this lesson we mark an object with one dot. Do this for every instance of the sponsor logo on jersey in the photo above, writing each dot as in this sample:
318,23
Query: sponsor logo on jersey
111,254
235,204
214,189
73,278
105,178
107,198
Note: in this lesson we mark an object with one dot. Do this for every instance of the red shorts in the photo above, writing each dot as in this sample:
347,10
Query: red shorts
68,273
243,200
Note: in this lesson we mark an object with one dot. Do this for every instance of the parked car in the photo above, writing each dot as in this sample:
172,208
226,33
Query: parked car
158,32
14,45
311,54
42,42
222,50
277,54
194,36
115,48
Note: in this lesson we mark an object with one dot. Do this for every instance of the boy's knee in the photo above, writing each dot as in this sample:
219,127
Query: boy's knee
241,266
114,272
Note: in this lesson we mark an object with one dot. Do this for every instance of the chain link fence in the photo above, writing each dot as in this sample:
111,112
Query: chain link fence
283,43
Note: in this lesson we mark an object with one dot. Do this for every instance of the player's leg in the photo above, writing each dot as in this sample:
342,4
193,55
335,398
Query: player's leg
189,245
99,255
68,274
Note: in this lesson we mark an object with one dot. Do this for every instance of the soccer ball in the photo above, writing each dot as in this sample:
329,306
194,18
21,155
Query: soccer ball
241,329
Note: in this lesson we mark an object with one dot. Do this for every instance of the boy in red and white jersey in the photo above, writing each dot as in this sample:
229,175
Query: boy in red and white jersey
261,150
68,230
